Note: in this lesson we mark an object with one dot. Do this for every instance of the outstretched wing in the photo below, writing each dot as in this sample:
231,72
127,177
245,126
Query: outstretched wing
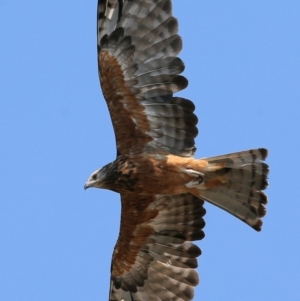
139,71
138,45
154,258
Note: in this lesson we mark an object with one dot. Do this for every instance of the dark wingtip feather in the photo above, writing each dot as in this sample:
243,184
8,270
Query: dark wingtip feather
103,42
194,251
262,211
180,81
177,64
264,184
196,236
258,225
264,153
263,198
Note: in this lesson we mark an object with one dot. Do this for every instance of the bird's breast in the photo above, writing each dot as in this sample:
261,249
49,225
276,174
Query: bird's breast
145,174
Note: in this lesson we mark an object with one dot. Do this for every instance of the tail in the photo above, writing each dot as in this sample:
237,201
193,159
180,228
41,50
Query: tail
234,182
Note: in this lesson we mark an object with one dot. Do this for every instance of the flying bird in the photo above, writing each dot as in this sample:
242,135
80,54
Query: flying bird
162,186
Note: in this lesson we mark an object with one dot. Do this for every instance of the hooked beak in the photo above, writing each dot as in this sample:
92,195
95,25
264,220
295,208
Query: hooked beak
87,185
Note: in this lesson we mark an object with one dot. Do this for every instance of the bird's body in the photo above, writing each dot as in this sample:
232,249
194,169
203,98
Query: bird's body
162,186
142,174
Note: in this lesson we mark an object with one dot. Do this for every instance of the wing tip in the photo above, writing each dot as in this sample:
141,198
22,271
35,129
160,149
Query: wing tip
258,225
264,153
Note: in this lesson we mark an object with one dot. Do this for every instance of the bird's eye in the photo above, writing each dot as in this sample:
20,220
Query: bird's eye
94,177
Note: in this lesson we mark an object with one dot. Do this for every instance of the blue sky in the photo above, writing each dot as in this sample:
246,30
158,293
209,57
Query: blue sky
243,65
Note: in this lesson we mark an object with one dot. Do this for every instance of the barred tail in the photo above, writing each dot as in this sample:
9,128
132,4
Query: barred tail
234,182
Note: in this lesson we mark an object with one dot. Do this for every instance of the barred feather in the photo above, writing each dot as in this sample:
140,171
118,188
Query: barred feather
244,176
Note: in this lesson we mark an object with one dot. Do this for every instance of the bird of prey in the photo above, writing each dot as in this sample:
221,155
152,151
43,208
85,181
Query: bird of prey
162,186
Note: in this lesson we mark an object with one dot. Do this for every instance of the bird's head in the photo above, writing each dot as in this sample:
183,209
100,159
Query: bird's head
98,178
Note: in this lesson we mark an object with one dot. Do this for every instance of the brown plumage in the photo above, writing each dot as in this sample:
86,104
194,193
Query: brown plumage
162,187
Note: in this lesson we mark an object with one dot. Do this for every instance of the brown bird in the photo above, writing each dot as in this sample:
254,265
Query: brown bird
162,186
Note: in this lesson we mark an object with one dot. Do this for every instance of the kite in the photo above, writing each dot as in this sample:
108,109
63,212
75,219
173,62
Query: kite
162,186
